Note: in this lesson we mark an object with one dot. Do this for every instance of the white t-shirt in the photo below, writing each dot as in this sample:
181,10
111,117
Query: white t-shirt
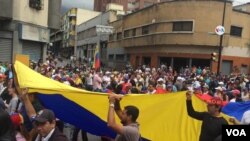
246,118
12,105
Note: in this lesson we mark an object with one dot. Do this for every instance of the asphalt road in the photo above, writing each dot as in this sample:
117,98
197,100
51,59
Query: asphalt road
68,131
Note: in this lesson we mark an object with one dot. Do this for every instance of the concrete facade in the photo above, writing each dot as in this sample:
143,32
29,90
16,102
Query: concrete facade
128,5
6,9
54,20
70,21
243,7
183,30
89,36
28,27
134,5
100,5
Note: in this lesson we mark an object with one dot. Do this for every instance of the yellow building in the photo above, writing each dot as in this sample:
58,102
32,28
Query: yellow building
182,33
70,21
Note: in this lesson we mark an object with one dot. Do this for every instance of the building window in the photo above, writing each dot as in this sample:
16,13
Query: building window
36,4
134,32
126,33
128,57
183,26
111,57
146,4
119,57
119,36
145,30
236,31
111,37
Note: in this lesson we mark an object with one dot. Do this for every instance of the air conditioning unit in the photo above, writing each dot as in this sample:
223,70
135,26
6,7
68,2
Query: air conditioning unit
36,4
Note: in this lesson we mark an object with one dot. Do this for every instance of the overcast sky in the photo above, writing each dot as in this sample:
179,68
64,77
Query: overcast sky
88,4
238,1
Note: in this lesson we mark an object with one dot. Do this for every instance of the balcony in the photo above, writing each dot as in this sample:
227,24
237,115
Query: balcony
196,39
6,9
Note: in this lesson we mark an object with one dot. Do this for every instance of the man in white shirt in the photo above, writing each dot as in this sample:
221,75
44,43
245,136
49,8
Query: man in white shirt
246,118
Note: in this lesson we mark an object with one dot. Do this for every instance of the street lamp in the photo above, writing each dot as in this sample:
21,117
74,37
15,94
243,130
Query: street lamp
221,38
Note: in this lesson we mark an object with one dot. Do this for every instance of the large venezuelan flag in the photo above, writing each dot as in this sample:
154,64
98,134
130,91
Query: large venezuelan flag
162,117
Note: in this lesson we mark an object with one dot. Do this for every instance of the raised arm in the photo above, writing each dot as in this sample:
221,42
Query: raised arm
23,94
190,109
111,115
27,103
118,109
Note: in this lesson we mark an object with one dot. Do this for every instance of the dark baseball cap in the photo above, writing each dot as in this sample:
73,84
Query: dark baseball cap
45,115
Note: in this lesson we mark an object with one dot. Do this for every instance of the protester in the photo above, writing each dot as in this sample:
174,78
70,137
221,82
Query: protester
14,104
2,104
7,131
21,133
44,121
3,89
2,81
147,80
129,131
212,121
75,134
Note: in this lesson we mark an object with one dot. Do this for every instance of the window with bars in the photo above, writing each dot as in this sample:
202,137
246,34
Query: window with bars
183,26
119,36
145,30
134,32
36,4
126,33
111,37
111,57
120,57
236,31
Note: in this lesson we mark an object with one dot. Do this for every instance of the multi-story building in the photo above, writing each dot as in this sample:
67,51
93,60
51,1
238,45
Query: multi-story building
243,7
96,32
70,21
100,5
182,33
134,5
128,5
25,26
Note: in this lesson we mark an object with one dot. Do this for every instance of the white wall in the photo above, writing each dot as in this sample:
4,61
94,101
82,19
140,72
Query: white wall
23,12
236,51
85,15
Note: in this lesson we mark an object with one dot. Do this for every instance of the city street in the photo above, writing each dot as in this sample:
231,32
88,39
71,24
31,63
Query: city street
68,132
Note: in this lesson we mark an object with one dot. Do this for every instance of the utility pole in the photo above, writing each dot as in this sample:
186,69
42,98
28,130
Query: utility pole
221,38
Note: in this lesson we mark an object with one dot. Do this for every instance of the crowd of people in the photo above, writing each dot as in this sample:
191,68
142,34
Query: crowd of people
141,80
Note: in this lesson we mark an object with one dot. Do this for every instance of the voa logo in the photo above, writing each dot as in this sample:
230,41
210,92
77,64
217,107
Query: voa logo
236,132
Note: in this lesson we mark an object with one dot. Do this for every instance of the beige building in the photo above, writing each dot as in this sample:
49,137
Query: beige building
25,26
243,7
128,5
95,32
181,33
134,5
70,21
